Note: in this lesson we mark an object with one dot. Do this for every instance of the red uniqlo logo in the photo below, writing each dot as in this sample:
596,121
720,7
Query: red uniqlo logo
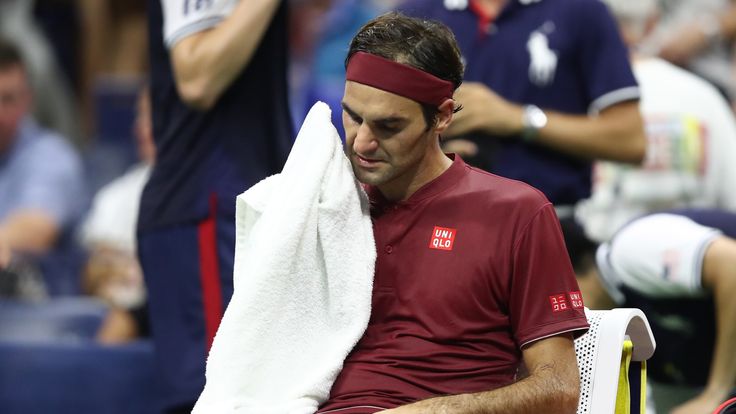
442,238
559,303
576,299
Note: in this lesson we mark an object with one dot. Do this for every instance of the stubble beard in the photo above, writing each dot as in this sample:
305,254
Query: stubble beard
374,178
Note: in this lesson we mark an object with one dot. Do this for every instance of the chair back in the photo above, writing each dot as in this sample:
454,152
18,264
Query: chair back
599,355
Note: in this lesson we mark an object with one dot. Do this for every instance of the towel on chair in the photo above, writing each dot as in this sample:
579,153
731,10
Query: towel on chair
303,277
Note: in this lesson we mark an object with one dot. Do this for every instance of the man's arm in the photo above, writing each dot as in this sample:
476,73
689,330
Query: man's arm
685,42
30,231
206,63
719,276
615,134
553,386
4,252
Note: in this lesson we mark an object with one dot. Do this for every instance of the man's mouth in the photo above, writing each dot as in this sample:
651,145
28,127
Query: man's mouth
367,162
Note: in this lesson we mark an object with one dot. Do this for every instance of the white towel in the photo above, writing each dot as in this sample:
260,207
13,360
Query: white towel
304,261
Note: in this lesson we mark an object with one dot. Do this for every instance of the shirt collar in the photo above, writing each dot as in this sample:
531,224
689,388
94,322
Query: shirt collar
443,182
485,20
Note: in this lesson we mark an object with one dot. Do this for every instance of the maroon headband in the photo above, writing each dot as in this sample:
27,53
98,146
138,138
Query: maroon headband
402,80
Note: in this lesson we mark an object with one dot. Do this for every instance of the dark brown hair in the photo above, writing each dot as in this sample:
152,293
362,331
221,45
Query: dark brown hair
9,55
426,45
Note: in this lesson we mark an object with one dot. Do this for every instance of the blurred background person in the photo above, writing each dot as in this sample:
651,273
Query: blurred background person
322,77
221,123
691,140
112,271
680,269
42,191
534,72
699,36
55,106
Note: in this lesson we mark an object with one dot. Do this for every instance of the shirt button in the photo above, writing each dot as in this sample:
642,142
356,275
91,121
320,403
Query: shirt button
389,249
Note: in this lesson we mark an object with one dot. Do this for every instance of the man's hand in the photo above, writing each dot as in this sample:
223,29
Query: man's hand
484,110
462,147
685,44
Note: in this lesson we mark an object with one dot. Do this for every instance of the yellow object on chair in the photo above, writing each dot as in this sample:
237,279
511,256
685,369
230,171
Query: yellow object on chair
623,395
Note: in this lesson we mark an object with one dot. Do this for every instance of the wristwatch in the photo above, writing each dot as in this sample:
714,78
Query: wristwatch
533,119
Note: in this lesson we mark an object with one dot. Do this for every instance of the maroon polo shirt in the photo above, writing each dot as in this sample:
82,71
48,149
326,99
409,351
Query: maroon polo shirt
470,269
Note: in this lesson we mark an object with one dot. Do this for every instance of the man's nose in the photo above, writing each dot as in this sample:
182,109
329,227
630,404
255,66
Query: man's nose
365,142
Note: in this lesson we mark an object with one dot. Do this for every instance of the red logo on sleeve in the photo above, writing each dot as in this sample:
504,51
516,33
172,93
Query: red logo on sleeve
558,302
442,238
576,299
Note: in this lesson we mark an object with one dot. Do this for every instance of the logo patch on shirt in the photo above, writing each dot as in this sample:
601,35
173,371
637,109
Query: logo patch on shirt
543,60
558,302
576,299
442,238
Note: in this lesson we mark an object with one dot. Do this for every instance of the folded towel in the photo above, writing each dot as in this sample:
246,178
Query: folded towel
303,276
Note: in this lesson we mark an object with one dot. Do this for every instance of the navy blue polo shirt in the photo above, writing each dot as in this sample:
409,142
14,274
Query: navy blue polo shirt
219,153
561,55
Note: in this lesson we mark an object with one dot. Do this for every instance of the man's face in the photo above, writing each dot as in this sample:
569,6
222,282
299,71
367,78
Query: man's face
15,102
387,140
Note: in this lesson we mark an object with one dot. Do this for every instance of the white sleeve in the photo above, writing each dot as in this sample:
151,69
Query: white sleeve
661,255
185,17
722,153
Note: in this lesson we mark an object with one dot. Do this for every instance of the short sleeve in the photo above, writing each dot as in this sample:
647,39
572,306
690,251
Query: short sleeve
603,57
185,17
545,299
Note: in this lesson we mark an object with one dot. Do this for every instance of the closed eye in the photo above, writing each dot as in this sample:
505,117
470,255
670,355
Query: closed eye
352,115
388,128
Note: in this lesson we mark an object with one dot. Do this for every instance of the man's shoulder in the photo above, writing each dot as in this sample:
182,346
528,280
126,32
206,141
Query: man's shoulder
47,148
500,190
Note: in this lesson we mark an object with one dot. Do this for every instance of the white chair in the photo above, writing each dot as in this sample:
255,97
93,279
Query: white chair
599,354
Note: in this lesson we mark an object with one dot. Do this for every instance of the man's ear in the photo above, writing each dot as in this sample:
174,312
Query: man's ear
444,117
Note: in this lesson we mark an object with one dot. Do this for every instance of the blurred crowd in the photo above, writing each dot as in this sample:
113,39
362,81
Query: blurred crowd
77,146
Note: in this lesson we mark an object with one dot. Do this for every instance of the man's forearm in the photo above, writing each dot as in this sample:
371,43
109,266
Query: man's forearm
206,63
552,389
30,232
617,134
721,259
5,253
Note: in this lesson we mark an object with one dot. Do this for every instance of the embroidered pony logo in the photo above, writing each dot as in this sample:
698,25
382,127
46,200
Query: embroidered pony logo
456,4
543,59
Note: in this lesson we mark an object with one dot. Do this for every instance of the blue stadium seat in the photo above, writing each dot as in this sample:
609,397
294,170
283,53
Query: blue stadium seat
50,363
58,320
76,378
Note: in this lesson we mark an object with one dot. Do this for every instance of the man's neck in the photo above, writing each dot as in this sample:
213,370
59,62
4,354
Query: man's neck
491,7
432,167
